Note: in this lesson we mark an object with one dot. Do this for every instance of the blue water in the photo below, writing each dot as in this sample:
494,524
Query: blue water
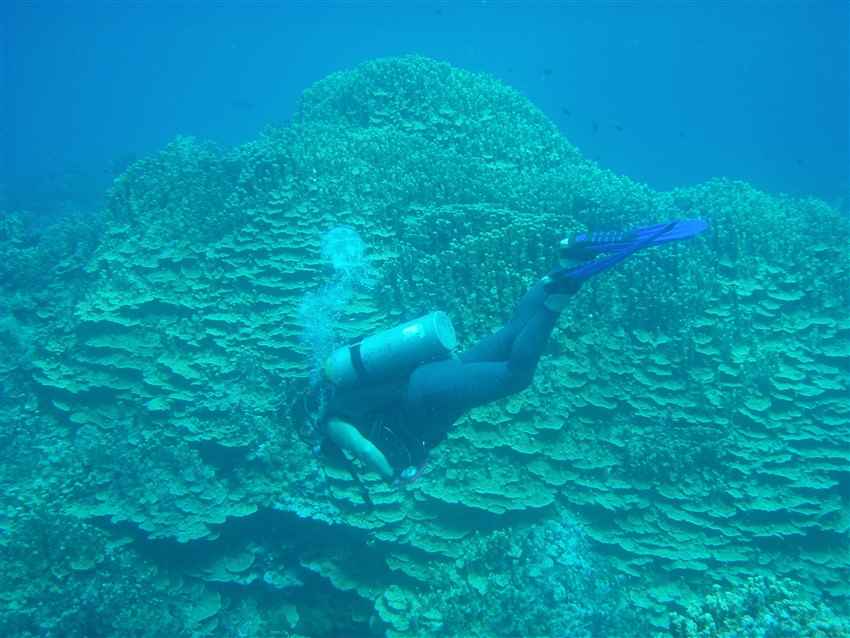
169,411
667,93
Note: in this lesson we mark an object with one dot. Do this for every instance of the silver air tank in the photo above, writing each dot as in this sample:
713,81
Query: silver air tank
392,353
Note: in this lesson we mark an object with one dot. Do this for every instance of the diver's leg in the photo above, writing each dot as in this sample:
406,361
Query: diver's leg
530,343
460,384
504,363
451,387
435,390
497,346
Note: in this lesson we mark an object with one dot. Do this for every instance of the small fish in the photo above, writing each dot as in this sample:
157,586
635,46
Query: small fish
566,111
547,72
595,127
619,128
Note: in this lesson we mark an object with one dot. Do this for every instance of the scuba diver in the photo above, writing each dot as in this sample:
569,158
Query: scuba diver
391,397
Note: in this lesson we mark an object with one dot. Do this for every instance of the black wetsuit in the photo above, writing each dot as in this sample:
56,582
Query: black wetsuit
408,417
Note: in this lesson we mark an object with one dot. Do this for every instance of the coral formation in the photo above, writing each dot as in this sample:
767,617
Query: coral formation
764,607
692,417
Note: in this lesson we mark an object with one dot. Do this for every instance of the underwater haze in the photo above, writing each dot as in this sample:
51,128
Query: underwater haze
668,93
229,409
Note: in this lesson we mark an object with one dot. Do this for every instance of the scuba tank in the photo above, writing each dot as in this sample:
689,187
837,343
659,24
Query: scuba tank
393,353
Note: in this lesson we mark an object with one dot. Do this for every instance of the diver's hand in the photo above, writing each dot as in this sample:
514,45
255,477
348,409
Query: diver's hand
349,438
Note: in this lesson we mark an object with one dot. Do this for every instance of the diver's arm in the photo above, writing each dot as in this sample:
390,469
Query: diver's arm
349,438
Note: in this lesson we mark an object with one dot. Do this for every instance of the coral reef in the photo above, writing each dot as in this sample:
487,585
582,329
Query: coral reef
689,430
764,607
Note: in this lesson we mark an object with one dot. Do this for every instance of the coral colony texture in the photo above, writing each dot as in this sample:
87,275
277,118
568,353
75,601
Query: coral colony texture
680,466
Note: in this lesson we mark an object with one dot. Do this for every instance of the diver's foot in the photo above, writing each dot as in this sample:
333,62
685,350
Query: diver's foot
581,247
564,259
559,289
558,284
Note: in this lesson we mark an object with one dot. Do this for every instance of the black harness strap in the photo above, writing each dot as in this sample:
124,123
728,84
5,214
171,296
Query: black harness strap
357,361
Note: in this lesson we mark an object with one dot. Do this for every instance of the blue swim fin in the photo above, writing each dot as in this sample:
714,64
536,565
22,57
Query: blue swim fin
586,247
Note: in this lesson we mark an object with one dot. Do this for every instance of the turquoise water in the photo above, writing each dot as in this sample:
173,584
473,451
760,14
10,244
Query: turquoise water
199,205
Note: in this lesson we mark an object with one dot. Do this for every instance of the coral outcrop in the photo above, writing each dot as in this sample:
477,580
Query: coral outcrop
692,416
